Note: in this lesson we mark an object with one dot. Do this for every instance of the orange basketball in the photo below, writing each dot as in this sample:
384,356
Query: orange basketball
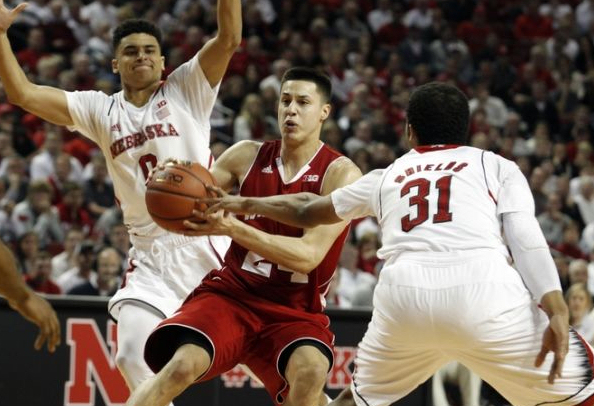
171,193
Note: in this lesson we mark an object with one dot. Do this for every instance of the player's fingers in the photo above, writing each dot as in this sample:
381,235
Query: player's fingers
17,10
55,337
216,190
191,225
41,337
213,208
199,215
540,357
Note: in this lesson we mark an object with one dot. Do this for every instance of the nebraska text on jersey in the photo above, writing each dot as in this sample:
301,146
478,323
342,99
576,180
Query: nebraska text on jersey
139,138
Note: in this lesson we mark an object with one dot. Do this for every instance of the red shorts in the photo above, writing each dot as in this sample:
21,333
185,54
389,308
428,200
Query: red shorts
253,332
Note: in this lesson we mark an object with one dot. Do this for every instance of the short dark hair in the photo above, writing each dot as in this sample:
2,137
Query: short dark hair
321,79
439,114
134,26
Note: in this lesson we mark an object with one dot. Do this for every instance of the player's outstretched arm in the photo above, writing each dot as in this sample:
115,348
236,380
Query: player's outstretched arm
217,52
299,209
46,102
299,254
30,305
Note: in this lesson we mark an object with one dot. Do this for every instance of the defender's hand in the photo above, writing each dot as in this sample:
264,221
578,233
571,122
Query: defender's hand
8,16
38,311
555,339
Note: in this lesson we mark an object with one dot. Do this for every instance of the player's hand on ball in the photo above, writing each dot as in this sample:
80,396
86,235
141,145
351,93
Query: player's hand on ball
224,201
217,223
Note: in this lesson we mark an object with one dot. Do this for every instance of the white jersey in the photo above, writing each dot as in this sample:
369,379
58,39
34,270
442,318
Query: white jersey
173,124
440,199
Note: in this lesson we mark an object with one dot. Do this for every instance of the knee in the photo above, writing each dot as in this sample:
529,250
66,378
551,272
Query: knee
308,375
130,359
187,364
181,371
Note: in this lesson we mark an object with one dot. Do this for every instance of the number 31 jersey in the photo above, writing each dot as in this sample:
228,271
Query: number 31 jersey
174,123
438,198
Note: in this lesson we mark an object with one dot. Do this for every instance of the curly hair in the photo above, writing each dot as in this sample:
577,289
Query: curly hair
439,114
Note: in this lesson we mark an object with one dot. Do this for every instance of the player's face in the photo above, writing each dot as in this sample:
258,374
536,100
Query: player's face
138,60
301,110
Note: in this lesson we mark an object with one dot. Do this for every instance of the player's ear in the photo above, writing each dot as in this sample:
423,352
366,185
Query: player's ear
114,66
162,63
326,109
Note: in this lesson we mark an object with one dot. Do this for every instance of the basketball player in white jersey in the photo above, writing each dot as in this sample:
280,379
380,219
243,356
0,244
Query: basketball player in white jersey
149,120
448,214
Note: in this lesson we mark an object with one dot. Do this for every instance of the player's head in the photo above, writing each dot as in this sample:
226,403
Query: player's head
137,48
304,102
438,114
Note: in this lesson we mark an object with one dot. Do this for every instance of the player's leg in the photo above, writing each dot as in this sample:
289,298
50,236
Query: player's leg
438,381
399,350
135,323
189,363
181,350
306,371
344,398
469,384
504,357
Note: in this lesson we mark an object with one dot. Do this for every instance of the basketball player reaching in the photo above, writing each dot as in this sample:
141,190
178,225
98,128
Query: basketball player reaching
149,120
264,307
447,291
29,304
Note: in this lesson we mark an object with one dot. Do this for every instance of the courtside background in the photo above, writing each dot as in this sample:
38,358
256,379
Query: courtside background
82,372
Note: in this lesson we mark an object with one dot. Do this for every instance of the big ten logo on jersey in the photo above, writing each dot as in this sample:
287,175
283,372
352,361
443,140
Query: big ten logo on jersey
310,178
162,110
339,376
92,365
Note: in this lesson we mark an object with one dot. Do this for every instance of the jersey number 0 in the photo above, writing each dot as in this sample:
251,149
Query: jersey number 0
420,201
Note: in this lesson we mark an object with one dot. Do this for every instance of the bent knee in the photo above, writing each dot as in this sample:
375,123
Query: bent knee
183,370
130,360
311,375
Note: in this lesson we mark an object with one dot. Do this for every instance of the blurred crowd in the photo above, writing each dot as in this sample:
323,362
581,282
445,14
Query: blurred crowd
527,68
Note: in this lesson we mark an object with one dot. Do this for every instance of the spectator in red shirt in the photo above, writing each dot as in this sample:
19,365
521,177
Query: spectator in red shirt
38,278
36,49
474,32
530,26
71,210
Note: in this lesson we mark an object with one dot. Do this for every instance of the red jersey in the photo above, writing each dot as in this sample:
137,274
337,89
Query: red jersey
247,272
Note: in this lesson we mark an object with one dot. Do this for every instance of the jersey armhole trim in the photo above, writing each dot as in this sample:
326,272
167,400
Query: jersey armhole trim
251,167
111,106
485,177
385,175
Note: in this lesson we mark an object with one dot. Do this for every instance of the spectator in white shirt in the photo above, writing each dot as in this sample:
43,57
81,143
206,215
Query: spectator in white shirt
67,259
585,199
493,106
83,272
37,214
380,16
43,165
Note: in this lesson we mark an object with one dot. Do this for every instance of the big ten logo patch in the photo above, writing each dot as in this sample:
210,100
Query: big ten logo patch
339,376
92,365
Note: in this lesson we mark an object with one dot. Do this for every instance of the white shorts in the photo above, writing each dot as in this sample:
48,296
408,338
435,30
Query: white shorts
430,309
165,269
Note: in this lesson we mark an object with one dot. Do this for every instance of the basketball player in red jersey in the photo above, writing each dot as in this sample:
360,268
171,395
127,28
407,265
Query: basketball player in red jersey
264,307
